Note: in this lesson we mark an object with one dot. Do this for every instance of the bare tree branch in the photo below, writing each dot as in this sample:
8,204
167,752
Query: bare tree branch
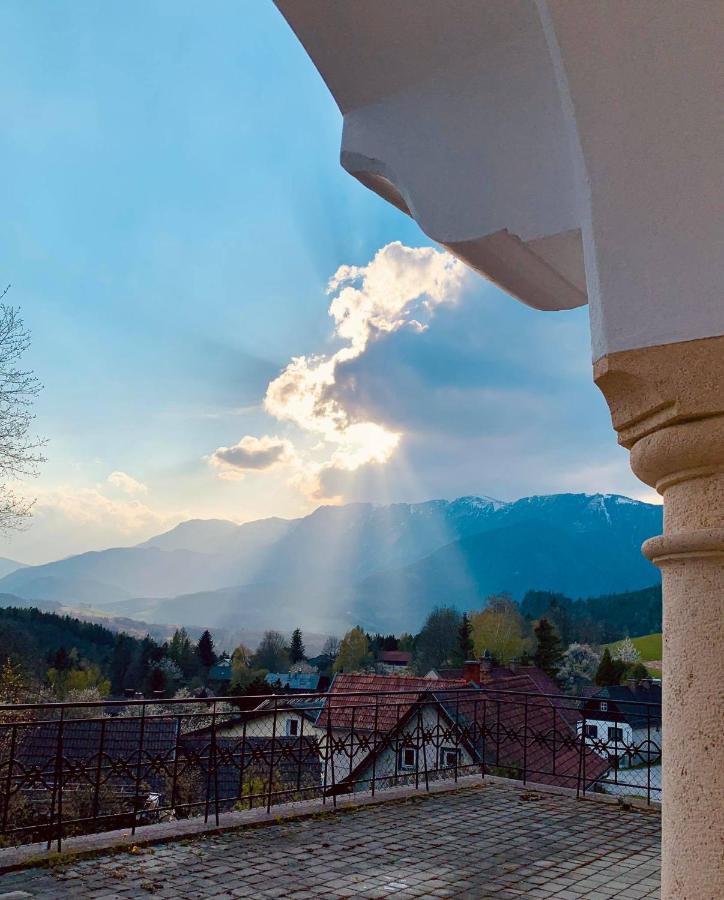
20,454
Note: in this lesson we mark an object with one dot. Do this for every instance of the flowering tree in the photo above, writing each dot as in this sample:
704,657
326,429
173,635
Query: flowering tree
578,666
627,652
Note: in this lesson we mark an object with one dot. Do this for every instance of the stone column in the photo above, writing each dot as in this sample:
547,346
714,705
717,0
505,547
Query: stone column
667,405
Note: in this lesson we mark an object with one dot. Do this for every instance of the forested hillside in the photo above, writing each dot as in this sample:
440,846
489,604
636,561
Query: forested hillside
597,620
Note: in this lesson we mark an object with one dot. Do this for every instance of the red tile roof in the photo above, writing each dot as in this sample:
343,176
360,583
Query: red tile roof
373,708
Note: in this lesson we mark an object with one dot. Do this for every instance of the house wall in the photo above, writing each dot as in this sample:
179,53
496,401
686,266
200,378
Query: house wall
264,726
354,748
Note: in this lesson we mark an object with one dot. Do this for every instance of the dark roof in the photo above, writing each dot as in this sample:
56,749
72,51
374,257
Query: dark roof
126,748
243,764
637,705
298,681
395,657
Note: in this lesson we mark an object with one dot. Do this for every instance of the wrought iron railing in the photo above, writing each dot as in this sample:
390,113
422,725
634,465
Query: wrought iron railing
84,767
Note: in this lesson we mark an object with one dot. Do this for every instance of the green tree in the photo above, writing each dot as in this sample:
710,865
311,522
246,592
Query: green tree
271,654
548,650
205,650
609,670
181,651
437,642
354,652
296,648
465,638
501,629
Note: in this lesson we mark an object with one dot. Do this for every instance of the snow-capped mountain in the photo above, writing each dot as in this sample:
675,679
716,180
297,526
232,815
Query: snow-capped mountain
370,562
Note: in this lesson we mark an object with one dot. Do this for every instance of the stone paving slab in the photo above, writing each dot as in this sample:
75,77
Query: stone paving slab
486,841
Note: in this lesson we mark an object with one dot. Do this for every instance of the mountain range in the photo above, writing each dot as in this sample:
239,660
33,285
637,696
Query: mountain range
383,566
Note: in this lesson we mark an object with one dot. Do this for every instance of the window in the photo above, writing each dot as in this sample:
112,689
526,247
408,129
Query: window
449,757
592,731
604,706
408,758
615,734
292,727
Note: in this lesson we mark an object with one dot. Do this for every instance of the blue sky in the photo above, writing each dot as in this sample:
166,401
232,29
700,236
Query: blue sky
173,211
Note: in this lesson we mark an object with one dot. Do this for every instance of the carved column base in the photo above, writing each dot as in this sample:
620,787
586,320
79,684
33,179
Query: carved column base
667,405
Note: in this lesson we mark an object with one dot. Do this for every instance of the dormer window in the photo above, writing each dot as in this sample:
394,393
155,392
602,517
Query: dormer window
292,727
408,758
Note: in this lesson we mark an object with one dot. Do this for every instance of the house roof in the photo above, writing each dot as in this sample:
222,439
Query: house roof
298,681
637,705
121,743
395,657
503,730
294,761
359,702
221,670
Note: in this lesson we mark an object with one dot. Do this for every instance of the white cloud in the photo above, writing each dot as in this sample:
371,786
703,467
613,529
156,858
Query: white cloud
251,454
89,506
127,483
398,289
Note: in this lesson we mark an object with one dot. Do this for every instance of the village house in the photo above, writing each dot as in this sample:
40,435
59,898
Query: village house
623,723
490,720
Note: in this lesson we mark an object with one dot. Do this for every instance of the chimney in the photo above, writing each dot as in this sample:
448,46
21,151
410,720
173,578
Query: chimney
486,662
471,671
513,666
631,683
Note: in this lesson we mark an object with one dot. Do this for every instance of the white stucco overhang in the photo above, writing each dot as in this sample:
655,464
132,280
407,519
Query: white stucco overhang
526,136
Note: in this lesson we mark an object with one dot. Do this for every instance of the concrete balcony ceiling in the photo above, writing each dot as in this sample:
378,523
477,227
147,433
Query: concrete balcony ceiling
527,137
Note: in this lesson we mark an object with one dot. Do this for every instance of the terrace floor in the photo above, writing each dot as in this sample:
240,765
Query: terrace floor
490,840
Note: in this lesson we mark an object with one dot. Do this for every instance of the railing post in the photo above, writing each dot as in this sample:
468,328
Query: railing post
525,741
214,769
57,777
351,746
648,754
374,743
553,707
242,762
101,744
301,753
271,758
9,779
174,777
421,739
136,797
457,732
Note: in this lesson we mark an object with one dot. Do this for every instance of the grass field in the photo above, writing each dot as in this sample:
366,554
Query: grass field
648,645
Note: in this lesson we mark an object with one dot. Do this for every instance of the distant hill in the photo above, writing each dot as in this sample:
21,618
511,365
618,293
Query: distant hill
9,565
384,566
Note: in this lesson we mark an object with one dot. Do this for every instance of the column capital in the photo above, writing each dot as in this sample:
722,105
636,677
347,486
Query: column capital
667,405
655,387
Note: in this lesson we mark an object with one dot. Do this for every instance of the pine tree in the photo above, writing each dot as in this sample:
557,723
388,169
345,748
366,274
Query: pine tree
296,648
205,650
548,653
465,638
609,670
